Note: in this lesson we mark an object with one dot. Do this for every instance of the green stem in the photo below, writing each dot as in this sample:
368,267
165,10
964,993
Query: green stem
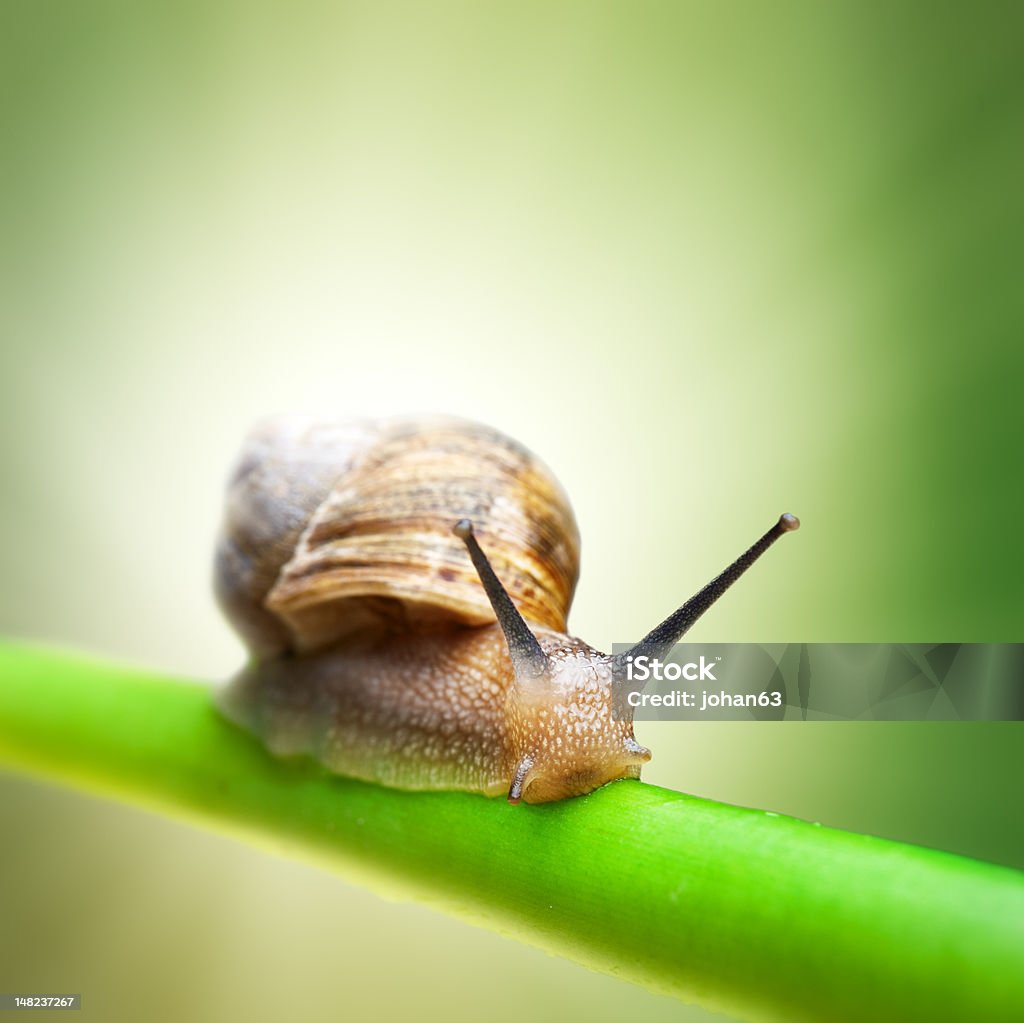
761,916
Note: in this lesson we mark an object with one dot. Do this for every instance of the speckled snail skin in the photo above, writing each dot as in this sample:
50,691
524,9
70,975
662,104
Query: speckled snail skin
349,564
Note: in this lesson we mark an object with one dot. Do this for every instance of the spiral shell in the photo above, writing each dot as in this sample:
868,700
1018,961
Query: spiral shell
336,528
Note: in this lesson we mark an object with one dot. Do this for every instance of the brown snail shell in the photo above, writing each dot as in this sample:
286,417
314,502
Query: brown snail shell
336,528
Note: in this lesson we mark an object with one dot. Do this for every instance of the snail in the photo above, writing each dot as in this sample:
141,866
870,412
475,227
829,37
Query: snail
383,643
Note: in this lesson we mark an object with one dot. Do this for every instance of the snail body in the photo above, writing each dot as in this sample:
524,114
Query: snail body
381,649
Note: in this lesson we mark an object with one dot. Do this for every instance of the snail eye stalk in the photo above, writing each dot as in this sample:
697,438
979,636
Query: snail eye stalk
528,659
660,640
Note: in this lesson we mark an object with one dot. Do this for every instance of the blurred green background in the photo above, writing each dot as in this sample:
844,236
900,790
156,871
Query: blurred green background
711,261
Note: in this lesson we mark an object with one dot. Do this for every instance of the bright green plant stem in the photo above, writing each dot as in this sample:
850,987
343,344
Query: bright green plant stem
758,915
